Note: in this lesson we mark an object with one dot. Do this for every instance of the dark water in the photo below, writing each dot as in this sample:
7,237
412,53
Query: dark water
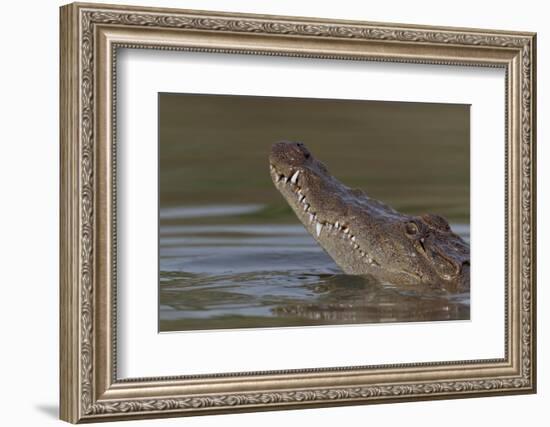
270,275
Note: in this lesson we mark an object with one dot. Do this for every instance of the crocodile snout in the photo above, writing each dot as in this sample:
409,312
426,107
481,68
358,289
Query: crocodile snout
293,154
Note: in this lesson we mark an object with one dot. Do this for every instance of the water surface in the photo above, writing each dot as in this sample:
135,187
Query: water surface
271,275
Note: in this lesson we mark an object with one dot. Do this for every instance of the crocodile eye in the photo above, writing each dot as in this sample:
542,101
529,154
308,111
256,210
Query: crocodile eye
411,228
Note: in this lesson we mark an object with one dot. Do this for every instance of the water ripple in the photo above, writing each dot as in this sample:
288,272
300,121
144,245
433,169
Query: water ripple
272,275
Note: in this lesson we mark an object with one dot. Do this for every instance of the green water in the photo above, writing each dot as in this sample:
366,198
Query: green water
232,253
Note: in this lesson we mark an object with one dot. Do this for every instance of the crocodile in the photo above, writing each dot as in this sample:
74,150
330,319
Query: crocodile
365,236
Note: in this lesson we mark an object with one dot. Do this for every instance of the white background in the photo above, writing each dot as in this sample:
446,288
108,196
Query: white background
29,171
145,353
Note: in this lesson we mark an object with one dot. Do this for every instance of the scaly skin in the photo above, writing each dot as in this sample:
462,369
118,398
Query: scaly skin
365,236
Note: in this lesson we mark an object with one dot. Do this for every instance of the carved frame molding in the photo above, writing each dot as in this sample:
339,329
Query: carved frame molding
90,36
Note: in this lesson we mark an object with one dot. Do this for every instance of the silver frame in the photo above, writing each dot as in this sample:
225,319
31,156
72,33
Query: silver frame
90,37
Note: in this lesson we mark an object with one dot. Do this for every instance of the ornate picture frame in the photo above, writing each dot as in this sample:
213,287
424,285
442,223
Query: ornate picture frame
90,37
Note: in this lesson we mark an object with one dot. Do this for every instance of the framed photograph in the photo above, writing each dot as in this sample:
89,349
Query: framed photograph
266,212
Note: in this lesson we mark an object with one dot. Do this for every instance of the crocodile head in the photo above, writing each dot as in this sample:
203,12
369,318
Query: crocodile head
364,235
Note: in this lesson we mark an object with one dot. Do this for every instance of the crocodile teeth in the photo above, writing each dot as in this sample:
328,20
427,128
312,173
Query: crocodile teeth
353,238
302,197
337,225
318,228
285,179
311,217
294,177
346,231
306,207
279,178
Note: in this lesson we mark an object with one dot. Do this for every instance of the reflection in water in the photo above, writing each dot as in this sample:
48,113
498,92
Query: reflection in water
272,275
